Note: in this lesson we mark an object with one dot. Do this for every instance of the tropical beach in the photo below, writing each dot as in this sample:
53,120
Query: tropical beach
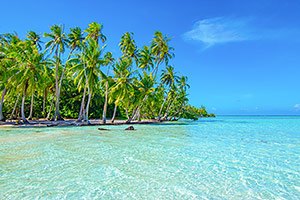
149,100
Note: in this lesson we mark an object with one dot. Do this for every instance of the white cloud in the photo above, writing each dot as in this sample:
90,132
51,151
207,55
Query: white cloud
297,107
220,30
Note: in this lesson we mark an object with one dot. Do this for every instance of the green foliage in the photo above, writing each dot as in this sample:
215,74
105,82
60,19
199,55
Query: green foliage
80,84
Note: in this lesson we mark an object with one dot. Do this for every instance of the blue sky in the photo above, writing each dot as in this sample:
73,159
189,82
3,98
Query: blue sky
241,57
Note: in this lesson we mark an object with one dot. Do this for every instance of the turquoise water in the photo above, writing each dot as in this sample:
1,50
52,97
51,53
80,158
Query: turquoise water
220,158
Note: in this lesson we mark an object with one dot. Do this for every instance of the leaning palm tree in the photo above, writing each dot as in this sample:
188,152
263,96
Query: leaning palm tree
168,78
57,43
161,50
145,87
178,91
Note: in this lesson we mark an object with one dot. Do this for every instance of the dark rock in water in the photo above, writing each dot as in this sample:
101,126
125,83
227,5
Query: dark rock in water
263,141
103,129
129,128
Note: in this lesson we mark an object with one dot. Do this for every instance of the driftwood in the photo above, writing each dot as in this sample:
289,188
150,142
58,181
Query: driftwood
129,128
103,129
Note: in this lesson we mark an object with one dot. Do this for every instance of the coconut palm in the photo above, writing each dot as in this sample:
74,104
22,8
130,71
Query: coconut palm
89,70
74,41
128,47
179,90
35,38
47,85
146,59
145,87
168,78
109,60
7,48
95,32
123,88
57,43
29,65
161,50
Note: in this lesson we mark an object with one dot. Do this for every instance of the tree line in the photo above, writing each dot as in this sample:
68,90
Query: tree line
73,76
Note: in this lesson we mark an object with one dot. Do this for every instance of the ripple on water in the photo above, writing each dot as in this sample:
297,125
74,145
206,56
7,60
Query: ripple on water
222,158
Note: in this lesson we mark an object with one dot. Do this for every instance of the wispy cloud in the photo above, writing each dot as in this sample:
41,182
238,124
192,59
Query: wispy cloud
220,30
297,107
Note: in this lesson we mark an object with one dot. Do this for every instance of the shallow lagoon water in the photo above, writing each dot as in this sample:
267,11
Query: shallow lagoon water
222,158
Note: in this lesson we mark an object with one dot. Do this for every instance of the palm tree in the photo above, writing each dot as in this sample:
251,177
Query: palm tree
3,80
109,60
7,48
128,47
168,78
123,88
35,38
29,65
145,87
161,49
95,32
182,87
89,70
58,42
47,85
146,59
74,40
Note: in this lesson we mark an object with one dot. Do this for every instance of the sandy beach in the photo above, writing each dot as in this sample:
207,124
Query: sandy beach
71,122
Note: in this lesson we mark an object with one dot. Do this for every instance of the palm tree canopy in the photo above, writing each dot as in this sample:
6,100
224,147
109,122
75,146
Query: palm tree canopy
95,32
160,48
57,39
35,38
128,46
168,76
75,38
146,59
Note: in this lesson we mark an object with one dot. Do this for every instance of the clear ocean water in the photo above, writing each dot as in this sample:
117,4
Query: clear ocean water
228,157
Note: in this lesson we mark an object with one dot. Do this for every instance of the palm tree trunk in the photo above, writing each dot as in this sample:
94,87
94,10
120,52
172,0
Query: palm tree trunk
164,103
44,102
48,116
141,105
105,104
87,107
140,116
82,105
114,115
22,107
138,112
1,104
31,106
57,114
156,68
15,106
126,111
178,111
169,107
133,114
161,109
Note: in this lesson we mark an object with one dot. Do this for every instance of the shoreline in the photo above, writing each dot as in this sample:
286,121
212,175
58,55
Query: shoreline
72,122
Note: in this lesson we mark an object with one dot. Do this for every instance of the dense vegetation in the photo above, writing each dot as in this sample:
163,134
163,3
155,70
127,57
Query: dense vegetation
73,76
